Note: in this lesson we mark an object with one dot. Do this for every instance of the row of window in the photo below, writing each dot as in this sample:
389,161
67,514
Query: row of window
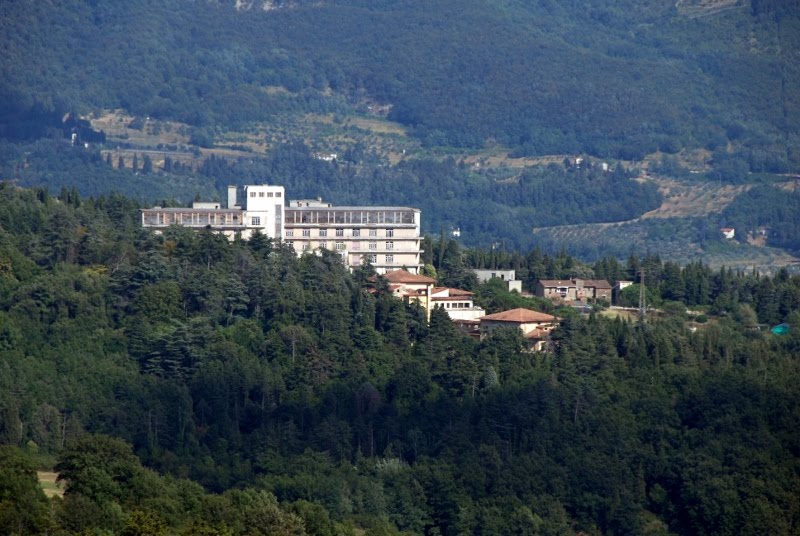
356,233
268,194
341,246
350,217
459,305
372,258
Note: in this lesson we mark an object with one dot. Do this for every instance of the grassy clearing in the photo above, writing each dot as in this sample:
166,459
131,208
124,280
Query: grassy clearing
48,481
624,314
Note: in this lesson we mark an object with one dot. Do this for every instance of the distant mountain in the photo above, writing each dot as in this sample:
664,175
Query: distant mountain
617,79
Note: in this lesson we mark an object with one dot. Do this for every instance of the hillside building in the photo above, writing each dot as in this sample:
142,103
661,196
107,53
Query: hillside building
458,303
535,326
574,289
260,208
386,237
508,276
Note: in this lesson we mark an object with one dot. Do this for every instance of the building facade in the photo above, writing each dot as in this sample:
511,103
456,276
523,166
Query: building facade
250,208
574,289
508,276
534,325
458,303
386,237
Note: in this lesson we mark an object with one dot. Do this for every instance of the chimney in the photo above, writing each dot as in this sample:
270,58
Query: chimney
232,196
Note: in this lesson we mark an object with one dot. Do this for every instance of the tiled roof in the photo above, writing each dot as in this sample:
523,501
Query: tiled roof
451,292
520,316
556,283
536,334
406,277
597,283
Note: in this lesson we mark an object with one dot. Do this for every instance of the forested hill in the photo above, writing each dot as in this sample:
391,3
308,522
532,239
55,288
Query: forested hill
249,391
615,79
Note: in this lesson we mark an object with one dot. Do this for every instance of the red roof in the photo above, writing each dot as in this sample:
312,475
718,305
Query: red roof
597,283
520,316
556,283
536,334
451,292
406,277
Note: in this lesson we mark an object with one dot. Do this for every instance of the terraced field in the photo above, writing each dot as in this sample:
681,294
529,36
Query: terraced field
682,199
677,230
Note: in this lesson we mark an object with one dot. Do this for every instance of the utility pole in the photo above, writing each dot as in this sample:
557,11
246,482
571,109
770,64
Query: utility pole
642,297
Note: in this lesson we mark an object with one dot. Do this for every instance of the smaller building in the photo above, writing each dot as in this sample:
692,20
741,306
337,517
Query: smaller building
509,276
411,288
728,232
458,303
534,325
574,289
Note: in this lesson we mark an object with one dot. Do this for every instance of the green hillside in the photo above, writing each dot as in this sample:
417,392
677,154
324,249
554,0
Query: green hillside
248,391
541,77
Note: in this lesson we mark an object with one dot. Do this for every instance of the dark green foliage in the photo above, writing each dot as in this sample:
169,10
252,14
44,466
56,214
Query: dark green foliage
769,211
302,403
23,505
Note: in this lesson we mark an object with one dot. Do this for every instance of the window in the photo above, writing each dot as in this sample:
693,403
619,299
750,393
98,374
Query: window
339,246
277,194
289,232
306,232
339,232
260,194
323,232
372,258
255,220
389,233
373,245
252,194
389,259
356,233
389,245
373,232
270,194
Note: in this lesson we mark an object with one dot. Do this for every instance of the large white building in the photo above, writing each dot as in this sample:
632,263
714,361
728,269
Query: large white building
387,237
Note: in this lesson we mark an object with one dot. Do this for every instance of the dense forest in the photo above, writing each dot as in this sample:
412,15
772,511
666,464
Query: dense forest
184,384
539,77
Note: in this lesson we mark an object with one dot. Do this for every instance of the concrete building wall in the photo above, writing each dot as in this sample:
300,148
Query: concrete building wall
486,275
389,237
